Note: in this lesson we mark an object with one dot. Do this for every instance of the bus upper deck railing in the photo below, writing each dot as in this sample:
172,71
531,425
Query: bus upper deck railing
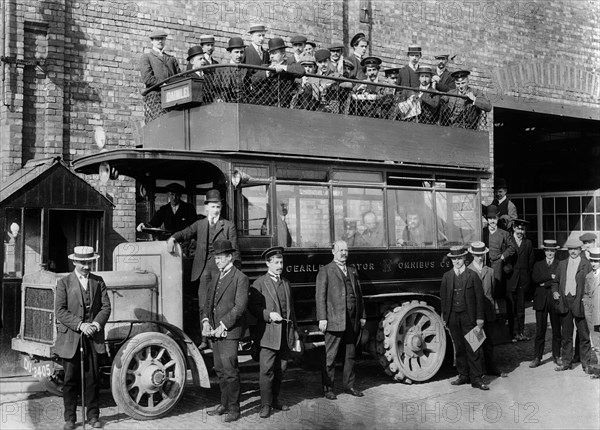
263,86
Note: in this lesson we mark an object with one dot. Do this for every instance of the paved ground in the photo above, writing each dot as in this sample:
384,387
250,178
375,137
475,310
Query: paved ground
527,398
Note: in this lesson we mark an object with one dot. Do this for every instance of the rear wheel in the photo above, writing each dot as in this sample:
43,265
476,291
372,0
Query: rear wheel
411,342
148,376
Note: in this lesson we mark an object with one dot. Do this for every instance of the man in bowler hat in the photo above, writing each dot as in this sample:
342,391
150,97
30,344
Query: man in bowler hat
341,316
507,211
232,84
82,308
207,231
223,322
272,304
462,301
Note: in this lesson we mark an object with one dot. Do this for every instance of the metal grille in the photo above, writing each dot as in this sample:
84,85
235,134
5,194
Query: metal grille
38,322
333,94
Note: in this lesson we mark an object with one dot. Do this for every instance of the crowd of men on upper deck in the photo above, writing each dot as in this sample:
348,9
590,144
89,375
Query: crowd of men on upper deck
306,79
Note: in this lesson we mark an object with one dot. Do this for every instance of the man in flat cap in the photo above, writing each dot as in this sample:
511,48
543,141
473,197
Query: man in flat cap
234,83
254,53
462,301
223,322
307,94
588,241
336,50
408,76
359,45
544,277
173,216
507,211
568,291
442,79
156,66
298,44
464,111
519,281
206,232
277,332
328,90
420,106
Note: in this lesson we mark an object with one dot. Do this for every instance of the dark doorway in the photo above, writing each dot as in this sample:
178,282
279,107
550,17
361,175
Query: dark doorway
546,153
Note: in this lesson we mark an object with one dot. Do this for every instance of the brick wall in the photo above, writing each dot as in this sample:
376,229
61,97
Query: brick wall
88,50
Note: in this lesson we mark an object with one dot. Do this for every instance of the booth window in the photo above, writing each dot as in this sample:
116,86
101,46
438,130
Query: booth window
22,241
410,215
359,216
254,211
457,217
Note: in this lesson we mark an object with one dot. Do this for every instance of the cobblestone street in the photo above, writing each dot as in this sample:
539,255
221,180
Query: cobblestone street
527,398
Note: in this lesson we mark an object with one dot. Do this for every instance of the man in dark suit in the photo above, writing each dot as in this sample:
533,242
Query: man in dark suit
462,301
231,85
359,45
298,44
175,215
408,76
544,277
223,321
254,53
156,66
207,42
461,112
276,332
207,231
568,290
519,281
341,315
502,246
442,79
82,308
507,211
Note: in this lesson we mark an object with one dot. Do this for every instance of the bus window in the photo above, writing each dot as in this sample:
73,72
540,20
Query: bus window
410,214
457,218
359,216
254,210
307,218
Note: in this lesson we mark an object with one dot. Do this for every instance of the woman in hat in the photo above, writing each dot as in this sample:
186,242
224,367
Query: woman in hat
156,66
479,252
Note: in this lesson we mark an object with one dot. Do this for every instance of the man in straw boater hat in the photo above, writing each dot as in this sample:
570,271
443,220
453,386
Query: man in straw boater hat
223,322
462,302
544,277
478,250
82,308
272,304
568,291
591,301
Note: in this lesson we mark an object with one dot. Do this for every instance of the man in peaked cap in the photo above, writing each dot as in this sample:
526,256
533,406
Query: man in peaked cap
82,308
298,44
507,211
568,291
175,215
359,45
223,321
544,277
156,66
254,53
442,78
519,281
464,112
408,76
206,232
462,302
277,332
591,301
365,96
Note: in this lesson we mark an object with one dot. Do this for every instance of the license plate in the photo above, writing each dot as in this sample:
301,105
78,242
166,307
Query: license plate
38,369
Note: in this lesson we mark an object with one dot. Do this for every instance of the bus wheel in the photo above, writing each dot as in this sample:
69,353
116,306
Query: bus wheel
148,376
411,342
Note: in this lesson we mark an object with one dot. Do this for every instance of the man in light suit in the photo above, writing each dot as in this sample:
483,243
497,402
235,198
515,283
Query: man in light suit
223,321
543,277
568,290
271,303
82,308
341,315
460,112
462,301
156,66
207,231
519,281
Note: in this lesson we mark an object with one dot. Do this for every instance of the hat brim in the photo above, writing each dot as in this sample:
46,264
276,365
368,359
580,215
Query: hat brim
72,257
471,251
225,251
552,248
449,255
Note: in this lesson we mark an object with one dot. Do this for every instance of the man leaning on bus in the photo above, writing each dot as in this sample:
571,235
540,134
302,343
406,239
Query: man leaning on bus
207,231
341,315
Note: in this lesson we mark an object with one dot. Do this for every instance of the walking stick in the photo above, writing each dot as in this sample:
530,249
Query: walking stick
82,364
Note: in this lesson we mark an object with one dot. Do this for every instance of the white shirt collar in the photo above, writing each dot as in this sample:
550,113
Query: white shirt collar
459,271
502,199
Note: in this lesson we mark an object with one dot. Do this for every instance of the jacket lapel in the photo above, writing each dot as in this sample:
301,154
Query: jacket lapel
226,284
270,286
93,286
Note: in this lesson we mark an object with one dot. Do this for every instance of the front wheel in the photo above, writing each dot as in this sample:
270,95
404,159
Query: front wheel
148,376
411,342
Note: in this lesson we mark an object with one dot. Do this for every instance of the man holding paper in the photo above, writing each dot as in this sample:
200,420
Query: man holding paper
461,295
